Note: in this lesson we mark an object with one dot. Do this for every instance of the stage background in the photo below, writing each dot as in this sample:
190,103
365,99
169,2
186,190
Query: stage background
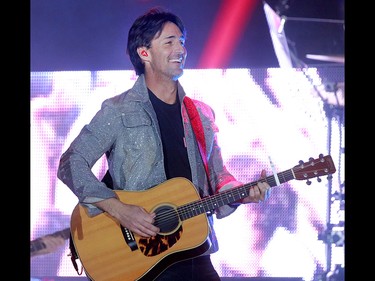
285,114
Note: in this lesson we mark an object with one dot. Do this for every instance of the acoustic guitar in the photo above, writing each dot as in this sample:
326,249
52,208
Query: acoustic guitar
110,252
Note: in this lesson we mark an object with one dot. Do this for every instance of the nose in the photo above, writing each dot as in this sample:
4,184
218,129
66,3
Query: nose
181,50
180,47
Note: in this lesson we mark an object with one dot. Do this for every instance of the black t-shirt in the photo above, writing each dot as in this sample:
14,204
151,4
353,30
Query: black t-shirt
176,161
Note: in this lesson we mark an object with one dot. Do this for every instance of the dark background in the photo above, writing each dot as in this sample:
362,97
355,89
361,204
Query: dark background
92,34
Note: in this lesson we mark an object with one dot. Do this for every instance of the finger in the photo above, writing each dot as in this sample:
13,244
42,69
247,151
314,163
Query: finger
151,227
263,185
263,174
149,219
147,232
255,194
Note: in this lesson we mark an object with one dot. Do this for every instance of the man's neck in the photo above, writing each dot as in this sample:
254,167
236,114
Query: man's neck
165,90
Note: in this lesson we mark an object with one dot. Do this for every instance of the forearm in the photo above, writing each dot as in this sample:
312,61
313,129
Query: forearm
110,206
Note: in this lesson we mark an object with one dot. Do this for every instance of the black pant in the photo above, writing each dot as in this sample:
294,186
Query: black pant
196,269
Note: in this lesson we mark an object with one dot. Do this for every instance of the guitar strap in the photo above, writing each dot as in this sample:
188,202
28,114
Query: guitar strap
73,255
196,123
197,126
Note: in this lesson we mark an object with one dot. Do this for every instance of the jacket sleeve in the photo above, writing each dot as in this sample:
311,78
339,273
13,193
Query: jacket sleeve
75,166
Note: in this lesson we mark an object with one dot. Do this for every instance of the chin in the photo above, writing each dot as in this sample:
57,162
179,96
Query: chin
178,75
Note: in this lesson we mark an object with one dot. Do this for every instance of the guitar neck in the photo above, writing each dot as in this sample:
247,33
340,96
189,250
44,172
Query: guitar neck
229,196
38,244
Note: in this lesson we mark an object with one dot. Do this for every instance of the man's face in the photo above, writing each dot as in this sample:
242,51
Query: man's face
168,52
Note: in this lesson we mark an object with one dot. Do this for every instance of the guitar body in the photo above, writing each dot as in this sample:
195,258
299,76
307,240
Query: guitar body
101,242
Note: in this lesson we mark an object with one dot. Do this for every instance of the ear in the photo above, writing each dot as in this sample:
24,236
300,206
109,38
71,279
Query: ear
143,53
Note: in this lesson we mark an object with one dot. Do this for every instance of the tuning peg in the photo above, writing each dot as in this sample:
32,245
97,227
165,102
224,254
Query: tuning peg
300,162
308,182
318,179
311,159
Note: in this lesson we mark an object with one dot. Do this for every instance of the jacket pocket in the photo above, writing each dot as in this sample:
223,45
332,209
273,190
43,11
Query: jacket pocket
132,120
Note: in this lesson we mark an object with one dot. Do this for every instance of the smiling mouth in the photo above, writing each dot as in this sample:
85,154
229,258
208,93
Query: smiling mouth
176,60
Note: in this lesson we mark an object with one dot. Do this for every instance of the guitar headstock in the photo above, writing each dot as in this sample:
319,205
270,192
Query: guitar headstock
314,168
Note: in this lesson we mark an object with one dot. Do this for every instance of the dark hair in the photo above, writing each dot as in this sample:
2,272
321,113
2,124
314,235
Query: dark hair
144,29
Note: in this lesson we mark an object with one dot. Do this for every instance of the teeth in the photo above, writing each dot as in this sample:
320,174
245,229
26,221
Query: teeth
177,60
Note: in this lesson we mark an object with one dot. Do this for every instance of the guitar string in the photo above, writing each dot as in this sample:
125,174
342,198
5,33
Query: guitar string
206,204
211,202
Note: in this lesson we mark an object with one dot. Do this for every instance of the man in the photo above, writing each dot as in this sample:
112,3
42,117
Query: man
148,138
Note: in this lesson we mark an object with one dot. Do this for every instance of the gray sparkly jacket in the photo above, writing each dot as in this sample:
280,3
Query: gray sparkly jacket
126,130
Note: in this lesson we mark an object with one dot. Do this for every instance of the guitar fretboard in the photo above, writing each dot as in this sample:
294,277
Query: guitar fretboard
38,244
229,196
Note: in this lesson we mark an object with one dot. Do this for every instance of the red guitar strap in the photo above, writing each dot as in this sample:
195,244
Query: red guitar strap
196,123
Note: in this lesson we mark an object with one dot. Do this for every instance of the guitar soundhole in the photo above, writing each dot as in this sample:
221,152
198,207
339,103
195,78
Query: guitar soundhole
166,219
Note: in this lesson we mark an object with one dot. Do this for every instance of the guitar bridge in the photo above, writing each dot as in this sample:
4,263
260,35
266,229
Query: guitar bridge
129,238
